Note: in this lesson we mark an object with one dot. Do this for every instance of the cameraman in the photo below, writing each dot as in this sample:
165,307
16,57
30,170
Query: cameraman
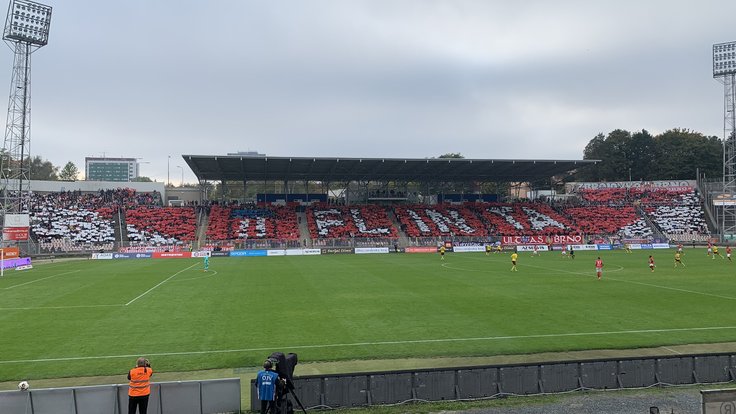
266,383
139,387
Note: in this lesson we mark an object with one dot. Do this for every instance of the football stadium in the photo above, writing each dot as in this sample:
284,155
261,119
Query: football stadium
371,276
299,283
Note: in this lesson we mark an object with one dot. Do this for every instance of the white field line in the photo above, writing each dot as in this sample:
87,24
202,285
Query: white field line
379,343
211,273
671,350
160,283
60,307
43,278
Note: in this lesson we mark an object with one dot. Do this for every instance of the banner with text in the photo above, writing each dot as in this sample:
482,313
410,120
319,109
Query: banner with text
165,255
15,233
420,249
11,252
15,263
467,249
370,250
531,248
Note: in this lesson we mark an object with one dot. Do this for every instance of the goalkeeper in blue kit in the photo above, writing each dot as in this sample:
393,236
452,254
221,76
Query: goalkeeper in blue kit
206,263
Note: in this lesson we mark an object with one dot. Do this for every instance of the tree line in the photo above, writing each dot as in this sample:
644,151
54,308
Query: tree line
676,154
40,169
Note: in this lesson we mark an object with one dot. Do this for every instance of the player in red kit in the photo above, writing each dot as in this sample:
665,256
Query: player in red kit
599,267
651,264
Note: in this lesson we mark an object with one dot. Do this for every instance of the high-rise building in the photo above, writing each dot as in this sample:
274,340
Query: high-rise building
110,169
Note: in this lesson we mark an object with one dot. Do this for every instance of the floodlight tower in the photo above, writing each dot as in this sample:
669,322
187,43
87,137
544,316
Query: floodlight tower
26,30
724,70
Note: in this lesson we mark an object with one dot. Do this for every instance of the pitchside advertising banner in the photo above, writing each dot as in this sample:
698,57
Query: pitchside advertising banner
468,249
19,263
420,249
531,248
584,247
337,250
110,256
371,250
248,253
166,255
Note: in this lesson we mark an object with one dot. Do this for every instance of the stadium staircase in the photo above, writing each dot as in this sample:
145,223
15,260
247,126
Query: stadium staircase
705,189
304,228
203,220
118,224
403,238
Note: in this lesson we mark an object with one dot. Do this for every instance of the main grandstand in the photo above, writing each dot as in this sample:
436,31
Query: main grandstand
375,208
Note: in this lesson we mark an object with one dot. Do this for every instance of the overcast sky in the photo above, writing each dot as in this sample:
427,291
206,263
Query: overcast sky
378,78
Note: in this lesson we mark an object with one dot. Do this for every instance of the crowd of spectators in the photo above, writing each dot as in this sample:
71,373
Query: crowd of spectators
70,221
358,221
87,221
249,222
161,225
438,221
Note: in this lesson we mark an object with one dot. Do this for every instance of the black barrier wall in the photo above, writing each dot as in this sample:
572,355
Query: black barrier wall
464,383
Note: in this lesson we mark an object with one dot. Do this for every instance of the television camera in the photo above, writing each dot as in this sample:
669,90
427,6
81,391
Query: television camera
284,365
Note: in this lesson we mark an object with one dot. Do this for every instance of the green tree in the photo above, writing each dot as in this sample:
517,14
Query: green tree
42,169
642,153
70,172
452,155
680,152
141,179
674,154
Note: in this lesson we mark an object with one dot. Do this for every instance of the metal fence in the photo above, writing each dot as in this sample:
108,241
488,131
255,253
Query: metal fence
184,397
466,383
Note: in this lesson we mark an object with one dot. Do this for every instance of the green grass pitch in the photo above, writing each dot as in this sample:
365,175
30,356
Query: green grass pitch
92,317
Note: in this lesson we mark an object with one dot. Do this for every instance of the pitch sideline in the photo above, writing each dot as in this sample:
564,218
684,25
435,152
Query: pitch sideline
378,343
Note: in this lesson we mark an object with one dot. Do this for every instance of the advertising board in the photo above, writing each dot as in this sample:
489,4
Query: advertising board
371,250
468,249
420,249
336,250
163,255
248,253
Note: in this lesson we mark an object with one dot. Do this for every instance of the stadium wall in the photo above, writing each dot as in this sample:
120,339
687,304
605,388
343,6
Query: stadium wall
181,397
496,381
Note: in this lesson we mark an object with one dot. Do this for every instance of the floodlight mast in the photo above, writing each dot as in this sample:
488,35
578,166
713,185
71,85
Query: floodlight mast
724,71
26,30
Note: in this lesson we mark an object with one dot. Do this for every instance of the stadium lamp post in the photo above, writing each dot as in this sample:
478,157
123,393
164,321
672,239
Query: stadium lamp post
168,171
724,70
26,30
182,175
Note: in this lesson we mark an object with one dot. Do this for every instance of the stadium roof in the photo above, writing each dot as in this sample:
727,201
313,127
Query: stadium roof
267,168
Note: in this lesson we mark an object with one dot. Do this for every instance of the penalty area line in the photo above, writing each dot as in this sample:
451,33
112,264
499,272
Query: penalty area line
159,284
61,307
378,343
43,278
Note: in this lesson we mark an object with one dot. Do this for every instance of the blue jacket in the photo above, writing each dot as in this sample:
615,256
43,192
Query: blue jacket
266,382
